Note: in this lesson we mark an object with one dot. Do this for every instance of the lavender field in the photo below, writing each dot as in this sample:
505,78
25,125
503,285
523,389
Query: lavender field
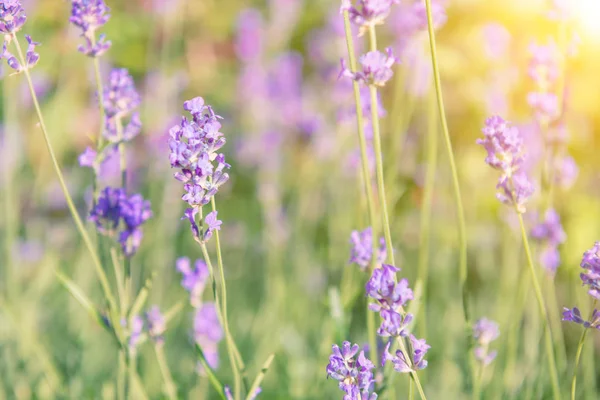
300,199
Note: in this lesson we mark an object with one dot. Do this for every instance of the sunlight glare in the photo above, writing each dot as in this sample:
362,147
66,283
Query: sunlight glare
587,13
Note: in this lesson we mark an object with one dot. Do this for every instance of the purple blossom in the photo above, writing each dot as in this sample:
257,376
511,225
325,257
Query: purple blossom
31,56
368,13
401,361
114,209
376,68
88,158
485,331
496,40
550,233
88,16
565,171
193,280
390,296
12,16
120,95
354,374
591,264
156,324
250,35
504,146
574,315
545,106
544,65
208,333
194,145
361,252
212,224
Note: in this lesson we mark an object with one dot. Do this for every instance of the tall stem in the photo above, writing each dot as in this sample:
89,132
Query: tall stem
577,357
362,141
170,387
237,380
80,227
385,221
100,138
542,309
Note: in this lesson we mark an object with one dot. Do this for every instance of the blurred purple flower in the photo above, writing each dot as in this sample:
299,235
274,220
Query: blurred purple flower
208,333
89,15
250,35
136,330
496,40
12,16
361,252
565,171
591,264
212,224
193,280
156,324
485,331
31,56
368,13
550,234
544,63
376,68
120,95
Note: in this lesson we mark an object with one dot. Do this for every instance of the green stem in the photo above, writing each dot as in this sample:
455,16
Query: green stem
229,341
131,372
385,221
577,357
100,138
122,156
121,375
413,374
166,373
80,227
424,241
542,309
362,141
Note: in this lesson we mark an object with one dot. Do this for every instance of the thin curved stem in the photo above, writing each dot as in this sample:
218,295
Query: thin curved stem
362,141
542,309
100,138
80,227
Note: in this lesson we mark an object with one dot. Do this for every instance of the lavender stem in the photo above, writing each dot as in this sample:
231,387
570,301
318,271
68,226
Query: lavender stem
166,373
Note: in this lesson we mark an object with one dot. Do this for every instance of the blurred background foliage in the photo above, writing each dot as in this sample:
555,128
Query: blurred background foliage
293,199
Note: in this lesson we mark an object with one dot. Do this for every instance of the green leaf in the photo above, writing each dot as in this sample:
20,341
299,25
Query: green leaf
260,376
82,299
142,296
211,375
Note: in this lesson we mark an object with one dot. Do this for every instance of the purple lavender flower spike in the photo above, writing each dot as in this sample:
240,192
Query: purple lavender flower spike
190,215
88,16
566,172
194,145
107,212
12,16
574,315
368,12
156,324
31,56
120,96
376,68
208,333
250,32
193,280
591,264
354,374
550,234
361,252
504,146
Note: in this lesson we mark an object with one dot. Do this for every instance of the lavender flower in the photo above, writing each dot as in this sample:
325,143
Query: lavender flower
194,145
390,299
544,66
504,146
89,15
194,280
574,315
354,374
362,248
31,56
88,158
591,264
208,333
212,224
550,234
376,68
12,16
368,13
565,171
156,324
401,361
115,210
485,331
120,100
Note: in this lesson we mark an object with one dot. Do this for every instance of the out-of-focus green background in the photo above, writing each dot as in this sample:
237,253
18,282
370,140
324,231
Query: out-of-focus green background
293,198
